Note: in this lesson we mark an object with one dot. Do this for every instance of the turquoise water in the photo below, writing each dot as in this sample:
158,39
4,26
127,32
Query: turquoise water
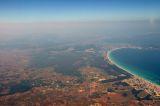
142,62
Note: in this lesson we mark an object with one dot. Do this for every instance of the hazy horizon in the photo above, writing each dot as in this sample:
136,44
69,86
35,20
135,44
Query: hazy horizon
71,18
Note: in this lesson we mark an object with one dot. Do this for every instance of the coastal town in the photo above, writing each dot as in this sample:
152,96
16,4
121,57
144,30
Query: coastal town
135,81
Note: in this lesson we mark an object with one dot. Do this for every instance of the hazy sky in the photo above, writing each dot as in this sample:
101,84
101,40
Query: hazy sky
78,17
78,10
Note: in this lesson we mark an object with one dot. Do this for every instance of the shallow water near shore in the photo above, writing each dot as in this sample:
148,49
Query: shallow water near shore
144,63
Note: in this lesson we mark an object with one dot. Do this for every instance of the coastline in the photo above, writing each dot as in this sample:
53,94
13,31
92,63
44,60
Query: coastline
120,67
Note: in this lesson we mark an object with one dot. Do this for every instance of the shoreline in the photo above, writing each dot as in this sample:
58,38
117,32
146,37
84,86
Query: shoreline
120,67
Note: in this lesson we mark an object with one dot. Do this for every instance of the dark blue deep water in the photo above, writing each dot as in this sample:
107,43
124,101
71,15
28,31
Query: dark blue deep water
142,62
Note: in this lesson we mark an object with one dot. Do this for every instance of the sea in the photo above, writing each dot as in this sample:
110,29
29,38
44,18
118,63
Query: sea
144,63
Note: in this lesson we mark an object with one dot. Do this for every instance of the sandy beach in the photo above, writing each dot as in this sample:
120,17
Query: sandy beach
150,86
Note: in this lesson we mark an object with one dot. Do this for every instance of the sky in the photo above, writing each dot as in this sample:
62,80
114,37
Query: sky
78,17
78,10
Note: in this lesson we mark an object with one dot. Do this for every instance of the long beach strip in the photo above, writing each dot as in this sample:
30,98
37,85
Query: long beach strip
152,85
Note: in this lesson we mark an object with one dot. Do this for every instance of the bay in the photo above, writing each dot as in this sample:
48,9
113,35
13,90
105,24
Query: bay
144,63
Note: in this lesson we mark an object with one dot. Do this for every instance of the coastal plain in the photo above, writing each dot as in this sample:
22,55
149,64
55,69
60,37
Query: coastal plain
68,75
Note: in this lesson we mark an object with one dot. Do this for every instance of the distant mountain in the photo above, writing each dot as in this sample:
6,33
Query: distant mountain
150,39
